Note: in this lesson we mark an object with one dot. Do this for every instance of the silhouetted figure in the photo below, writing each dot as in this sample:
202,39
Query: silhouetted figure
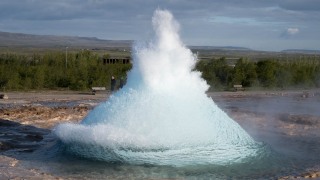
113,83
122,82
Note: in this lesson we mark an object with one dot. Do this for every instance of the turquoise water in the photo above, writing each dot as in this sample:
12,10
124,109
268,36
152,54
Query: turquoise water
272,163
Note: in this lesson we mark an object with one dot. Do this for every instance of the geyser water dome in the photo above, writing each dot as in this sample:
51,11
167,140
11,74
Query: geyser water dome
162,116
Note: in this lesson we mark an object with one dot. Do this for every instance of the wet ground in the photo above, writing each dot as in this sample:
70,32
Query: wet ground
288,121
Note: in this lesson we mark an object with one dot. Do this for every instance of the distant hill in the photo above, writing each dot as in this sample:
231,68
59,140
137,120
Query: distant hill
50,41
301,51
226,48
20,40
8,39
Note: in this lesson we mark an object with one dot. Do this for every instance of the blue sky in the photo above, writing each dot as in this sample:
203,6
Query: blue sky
271,25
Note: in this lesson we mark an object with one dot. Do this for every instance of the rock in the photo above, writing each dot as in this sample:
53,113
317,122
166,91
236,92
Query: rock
34,137
4,96
4,146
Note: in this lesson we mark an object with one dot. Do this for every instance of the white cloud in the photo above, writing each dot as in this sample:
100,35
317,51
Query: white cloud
292,31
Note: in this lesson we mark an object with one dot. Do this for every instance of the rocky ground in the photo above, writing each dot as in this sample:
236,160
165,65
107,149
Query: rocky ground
27,118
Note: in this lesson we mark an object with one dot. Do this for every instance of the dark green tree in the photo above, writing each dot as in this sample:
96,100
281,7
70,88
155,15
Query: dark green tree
266,71
244,73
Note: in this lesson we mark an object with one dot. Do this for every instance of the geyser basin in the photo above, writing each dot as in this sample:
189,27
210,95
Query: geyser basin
162,116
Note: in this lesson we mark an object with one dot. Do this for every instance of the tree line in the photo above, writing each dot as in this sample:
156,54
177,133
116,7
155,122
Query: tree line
57,70
85,69
267,74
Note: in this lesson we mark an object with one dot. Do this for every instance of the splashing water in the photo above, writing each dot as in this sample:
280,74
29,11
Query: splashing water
162,116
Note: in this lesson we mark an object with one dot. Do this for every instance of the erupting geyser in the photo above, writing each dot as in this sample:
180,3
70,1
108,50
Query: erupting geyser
162,116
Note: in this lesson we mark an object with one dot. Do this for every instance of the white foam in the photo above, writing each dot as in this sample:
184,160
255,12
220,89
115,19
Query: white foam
162,115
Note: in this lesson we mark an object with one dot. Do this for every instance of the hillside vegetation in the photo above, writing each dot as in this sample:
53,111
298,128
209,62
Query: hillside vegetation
266,74
56,70
81,70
